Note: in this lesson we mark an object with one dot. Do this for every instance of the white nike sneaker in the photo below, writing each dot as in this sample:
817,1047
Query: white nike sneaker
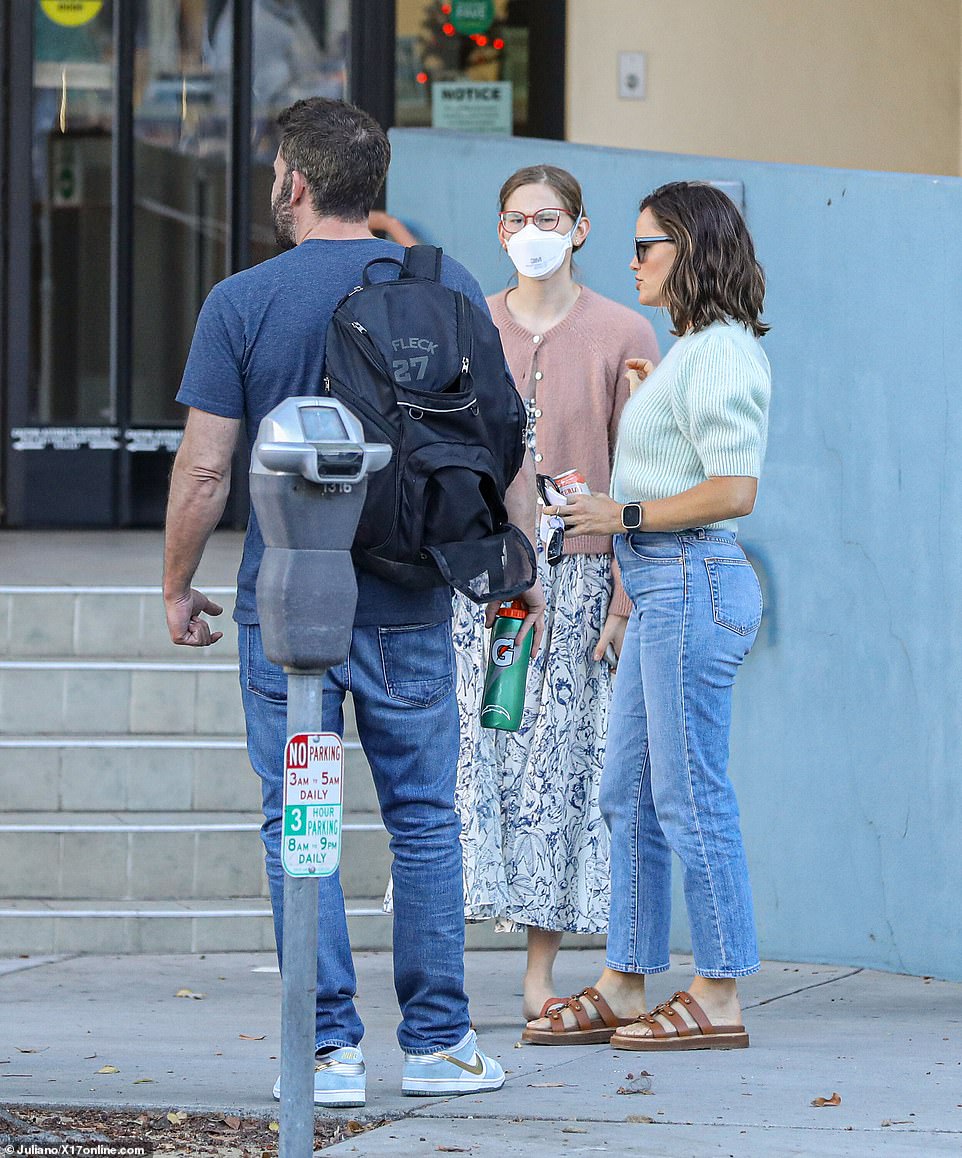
339,1078
464,1069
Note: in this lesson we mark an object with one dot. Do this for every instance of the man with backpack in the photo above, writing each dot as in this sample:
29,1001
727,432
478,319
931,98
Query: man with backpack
262,336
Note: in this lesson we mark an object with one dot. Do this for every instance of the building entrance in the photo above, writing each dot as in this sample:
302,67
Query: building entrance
136,145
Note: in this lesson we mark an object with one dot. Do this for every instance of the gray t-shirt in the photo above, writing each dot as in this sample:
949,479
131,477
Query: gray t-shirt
260,338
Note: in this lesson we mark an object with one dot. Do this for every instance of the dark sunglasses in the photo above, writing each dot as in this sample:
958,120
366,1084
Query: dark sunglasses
554,549
642,243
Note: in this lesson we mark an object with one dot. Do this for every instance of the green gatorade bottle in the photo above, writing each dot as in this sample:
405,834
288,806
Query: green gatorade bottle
504,682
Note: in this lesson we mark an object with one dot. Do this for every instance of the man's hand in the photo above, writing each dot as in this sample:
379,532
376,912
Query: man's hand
533,599
613,632
199,484
184,620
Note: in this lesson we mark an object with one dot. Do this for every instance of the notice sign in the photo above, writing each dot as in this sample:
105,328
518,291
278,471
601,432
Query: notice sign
472,106
313,771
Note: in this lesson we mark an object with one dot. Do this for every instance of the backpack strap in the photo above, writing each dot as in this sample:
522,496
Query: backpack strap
422,261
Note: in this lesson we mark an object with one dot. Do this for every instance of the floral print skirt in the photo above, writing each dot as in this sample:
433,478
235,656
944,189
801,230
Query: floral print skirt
535,844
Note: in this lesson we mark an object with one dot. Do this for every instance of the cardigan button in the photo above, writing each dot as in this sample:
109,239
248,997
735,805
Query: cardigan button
538,375
538,457
538,413
536,339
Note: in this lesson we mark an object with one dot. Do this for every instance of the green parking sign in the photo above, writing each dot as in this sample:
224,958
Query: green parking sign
472,16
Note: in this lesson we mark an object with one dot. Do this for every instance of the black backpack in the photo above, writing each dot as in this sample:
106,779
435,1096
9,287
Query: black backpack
423,370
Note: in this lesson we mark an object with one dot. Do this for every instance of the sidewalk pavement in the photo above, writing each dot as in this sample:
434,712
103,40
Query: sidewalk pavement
889,1045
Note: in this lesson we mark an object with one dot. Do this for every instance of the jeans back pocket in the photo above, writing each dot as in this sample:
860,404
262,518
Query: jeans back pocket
264,679
418,662
736,597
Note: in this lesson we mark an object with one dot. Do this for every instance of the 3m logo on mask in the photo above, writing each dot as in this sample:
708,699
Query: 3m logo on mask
415,365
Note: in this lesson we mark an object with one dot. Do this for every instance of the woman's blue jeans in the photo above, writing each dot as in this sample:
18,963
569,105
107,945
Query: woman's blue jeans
402,680
665,787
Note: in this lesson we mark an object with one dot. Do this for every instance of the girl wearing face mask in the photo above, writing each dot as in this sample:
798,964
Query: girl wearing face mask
536,846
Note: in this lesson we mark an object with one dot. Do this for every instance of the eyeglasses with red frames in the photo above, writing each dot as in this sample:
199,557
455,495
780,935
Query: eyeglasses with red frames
512,221
642,244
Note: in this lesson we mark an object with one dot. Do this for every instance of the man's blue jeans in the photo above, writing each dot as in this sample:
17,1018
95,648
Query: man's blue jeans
665,786
402,680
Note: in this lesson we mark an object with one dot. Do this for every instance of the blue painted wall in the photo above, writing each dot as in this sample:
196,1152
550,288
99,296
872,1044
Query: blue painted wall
847,744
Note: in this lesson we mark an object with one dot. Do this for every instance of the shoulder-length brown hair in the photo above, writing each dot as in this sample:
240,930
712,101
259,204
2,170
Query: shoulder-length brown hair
715,276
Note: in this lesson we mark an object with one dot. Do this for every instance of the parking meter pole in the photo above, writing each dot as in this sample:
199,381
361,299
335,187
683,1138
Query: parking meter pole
308,480
299,979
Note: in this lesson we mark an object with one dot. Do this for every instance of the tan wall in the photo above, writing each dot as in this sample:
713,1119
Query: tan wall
866,84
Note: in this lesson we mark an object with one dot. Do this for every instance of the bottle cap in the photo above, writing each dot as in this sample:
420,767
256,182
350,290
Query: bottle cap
514,610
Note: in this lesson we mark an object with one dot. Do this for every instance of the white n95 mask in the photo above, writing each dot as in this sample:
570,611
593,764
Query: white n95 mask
537,253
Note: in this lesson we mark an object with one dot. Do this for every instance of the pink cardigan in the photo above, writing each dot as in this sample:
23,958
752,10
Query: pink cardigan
575,373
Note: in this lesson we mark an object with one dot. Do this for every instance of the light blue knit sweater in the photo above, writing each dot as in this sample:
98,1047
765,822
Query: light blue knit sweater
702,413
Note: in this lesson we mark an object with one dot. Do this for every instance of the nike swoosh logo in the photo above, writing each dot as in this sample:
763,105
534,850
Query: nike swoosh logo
477,1069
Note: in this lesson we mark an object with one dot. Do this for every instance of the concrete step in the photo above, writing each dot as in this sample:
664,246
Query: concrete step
203,925
162,856
91,697
109,622
146,774
69,696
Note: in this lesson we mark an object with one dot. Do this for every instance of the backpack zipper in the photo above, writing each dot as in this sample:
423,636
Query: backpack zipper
435,410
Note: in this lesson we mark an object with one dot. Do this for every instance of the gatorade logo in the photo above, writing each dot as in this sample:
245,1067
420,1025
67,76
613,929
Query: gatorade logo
503,653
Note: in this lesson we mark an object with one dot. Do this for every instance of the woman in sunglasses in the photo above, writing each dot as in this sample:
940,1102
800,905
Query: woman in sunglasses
536,846
690,449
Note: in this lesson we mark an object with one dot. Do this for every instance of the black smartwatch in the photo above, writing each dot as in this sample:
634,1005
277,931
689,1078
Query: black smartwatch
631,516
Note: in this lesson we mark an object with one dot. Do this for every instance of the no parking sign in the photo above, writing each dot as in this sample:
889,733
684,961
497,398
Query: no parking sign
313,773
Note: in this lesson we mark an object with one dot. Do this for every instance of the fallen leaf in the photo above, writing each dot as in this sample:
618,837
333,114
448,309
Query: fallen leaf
142,1081
231,1121
190,993
252,1036
519,1045
177,1117
108,1070
89,1057
573,1130
546,1085
31,1049
353,1127
834,1100
274,1127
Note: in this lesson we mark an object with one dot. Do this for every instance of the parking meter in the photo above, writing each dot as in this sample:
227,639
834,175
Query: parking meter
308,480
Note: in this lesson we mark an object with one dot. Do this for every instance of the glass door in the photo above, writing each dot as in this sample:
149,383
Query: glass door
137,138
65,397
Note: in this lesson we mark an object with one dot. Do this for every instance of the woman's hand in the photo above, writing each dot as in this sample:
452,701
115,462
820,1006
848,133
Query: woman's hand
613,632
594,514
638,371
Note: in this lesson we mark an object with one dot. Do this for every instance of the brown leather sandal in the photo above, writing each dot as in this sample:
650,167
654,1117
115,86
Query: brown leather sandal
595,1030
679,1034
